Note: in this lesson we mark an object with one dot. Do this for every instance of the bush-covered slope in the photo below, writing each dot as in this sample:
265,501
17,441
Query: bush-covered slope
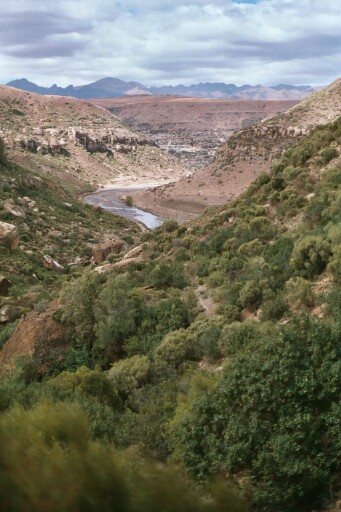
48,223
249,391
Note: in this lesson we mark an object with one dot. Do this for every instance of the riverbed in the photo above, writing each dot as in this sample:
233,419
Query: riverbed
110,200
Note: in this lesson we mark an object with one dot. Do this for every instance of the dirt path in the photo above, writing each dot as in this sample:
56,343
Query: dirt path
206,302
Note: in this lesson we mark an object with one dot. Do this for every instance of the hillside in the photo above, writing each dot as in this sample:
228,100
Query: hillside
218,350
78,142
114,87
243,157
190,129
46,235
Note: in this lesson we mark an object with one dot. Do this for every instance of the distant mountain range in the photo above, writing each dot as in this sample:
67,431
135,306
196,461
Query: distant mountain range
114,88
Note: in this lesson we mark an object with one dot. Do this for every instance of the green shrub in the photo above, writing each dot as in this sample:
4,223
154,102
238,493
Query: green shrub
169,226
253,248
86,383
50,463
290,172
299,293
250,296
273,307
6,332
78,299
310,255
215,279
164,275
176,348
128,201
230,313
334,265
301,154
328,154
129,374
117,311
154,321
207,332
238,336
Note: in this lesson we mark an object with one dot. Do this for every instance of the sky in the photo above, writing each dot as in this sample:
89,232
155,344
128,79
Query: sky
159,42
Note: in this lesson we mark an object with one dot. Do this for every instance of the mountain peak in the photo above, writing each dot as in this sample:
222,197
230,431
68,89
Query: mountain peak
111,87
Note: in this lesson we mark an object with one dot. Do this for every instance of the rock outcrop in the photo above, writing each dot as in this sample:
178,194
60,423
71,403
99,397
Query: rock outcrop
13,209
9,235
52,264
136,251
39,337
101,251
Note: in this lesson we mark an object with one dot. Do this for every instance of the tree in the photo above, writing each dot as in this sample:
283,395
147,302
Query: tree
117,312
78,299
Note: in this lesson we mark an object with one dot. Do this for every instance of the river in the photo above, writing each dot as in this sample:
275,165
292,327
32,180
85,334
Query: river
109,199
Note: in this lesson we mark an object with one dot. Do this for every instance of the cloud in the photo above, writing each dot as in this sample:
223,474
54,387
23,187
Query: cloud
164,41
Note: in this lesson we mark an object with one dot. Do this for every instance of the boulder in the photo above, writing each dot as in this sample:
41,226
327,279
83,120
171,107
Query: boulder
37,336
79,262
13,209
52,264
125,262
133,252
5,316
103,269
101,251
9,235
5,285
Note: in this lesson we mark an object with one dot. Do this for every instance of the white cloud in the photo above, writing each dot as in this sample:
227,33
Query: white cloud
164,41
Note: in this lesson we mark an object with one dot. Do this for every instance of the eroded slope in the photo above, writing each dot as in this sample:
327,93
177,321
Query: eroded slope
78,140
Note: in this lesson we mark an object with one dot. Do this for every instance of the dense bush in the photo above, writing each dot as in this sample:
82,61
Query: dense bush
299,293
164,275
129,374
273,418
310,255
49,463
237,336
250,295
117,313
176,348
334,265
78,298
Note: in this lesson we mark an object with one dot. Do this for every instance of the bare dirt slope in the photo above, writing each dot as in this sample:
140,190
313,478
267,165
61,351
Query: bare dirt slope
190,128
243,157
77,140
